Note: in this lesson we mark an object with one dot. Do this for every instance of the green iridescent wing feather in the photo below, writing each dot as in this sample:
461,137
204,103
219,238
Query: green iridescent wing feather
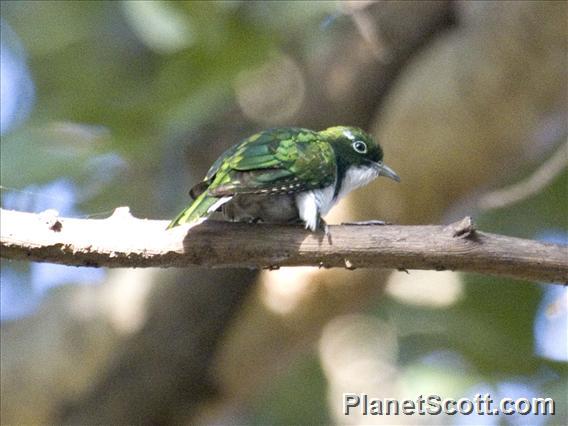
275,161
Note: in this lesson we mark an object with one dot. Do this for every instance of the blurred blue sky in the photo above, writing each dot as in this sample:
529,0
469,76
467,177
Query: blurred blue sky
16,85
22,286
551,320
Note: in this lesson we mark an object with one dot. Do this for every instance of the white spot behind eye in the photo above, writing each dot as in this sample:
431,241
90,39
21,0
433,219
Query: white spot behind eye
349,135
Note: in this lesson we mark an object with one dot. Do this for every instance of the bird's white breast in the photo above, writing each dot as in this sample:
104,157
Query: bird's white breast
317,202
313,203
356,177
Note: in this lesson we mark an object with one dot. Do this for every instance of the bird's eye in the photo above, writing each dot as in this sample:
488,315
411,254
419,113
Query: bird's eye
360,147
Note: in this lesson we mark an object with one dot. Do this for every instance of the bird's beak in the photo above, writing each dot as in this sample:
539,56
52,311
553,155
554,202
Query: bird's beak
385,170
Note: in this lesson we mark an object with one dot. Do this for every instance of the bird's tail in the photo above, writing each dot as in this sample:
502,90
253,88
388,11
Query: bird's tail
203,205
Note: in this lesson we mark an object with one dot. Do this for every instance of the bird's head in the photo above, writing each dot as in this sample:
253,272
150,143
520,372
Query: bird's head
356,149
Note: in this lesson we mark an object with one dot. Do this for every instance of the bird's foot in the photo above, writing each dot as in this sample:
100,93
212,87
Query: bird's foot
366,222
324,227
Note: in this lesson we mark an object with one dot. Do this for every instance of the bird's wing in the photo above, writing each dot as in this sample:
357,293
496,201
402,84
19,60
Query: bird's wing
200,187
275,161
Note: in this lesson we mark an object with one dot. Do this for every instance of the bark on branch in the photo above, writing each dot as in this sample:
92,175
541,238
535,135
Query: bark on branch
124,241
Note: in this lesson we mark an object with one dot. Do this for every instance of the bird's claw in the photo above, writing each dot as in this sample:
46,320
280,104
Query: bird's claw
324,227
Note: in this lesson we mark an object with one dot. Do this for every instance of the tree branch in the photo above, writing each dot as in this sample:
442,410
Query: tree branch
124,241
530,186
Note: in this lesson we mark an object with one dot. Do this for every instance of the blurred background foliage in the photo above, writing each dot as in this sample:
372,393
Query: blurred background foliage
107,104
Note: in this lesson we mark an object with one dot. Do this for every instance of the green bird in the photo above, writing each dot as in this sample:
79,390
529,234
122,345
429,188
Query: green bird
286,175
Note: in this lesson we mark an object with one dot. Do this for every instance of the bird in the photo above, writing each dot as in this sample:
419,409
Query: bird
287,175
